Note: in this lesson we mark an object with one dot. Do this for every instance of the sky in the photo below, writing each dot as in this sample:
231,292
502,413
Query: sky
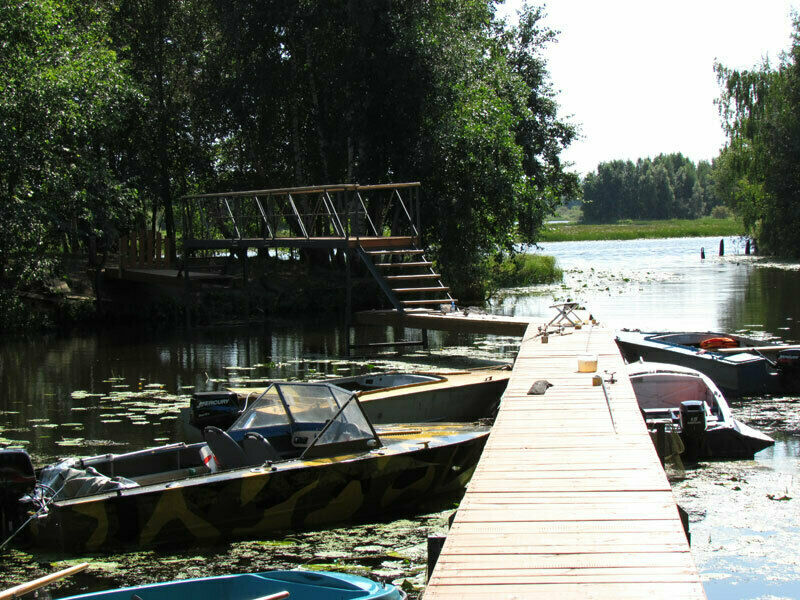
637,76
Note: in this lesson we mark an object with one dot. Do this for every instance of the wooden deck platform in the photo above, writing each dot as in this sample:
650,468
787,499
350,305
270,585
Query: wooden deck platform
301,242
166,276
569,499
451,321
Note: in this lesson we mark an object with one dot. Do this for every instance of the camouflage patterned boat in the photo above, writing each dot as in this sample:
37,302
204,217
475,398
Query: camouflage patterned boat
302,456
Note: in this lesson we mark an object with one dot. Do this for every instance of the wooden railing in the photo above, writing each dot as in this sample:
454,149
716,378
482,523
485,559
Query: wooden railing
340,211
144,250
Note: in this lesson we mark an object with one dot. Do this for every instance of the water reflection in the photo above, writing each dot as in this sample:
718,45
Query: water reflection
650,284
663,284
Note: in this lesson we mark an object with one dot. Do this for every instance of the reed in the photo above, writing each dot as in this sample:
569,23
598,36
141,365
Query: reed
522,270
630,230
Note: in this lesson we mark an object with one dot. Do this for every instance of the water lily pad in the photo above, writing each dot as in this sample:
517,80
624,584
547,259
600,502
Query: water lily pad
82,395
70,442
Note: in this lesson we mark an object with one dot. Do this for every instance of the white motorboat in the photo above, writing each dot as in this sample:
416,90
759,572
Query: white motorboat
691,403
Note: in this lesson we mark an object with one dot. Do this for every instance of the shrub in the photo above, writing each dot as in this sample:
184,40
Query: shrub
721,212
521,270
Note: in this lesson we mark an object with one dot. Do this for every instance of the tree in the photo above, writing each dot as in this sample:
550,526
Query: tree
396,90
63,86
166,143
758,171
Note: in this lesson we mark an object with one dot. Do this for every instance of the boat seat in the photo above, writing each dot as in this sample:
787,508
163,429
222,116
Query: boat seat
228,453
257,449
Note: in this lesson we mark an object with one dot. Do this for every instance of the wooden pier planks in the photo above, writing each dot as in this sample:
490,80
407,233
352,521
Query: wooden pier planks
569,499
451,321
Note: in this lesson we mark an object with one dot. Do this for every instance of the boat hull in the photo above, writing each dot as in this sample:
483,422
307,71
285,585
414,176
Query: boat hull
447,397
736,442
251,502
301,585
464,400
661,389
735,375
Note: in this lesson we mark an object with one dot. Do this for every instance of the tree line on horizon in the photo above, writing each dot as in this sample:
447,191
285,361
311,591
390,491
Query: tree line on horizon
669,186
113,110
756,175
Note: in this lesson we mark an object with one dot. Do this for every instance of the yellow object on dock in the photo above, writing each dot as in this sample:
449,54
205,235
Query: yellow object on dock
569,499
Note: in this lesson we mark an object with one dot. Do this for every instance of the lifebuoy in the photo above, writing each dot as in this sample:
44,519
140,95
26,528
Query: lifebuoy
719,342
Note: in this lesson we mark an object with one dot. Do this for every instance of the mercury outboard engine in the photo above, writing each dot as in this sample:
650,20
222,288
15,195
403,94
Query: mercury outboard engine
218,409
17,479
788,364
693,427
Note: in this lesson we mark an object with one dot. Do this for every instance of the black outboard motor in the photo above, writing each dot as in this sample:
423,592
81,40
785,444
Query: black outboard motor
788,364
693,428
219,409
17,479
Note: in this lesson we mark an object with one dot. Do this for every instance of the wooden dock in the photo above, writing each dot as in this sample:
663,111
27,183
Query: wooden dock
450,321
569,499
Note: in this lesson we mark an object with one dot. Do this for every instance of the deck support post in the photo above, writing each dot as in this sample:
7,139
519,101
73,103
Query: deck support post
424,339
348,301
187,292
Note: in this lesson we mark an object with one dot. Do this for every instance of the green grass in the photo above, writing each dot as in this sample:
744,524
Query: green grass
523,270
630,230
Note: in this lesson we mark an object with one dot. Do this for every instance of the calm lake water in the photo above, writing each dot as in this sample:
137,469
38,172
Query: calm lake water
88,394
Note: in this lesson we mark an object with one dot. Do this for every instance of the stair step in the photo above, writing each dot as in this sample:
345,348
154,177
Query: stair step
420,289
395,252
402,265
420,302
410,277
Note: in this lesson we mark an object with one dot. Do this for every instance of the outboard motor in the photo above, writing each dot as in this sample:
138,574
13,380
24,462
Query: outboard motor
693,427
788,364
218,409
17,479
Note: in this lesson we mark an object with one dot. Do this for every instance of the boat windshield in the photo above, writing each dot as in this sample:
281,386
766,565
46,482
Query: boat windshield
266,411
307,407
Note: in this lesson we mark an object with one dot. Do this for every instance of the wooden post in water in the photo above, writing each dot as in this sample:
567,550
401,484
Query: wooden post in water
158,258
149,247
132,250
435,545
123,252
348,300
167,253
722,247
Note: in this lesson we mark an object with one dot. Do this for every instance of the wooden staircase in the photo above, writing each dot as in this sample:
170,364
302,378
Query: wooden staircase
407,277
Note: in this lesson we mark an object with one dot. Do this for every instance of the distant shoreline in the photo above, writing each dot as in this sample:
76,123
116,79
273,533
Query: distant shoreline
631,230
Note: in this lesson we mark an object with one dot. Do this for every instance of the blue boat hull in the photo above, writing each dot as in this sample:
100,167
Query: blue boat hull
301,585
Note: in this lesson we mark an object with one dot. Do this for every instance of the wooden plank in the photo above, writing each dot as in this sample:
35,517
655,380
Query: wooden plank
440,288
570,591
510,326
403,265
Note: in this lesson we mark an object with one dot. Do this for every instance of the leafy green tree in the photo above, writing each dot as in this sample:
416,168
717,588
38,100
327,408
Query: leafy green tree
667,186
359,90
62,87
166,144
758,172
